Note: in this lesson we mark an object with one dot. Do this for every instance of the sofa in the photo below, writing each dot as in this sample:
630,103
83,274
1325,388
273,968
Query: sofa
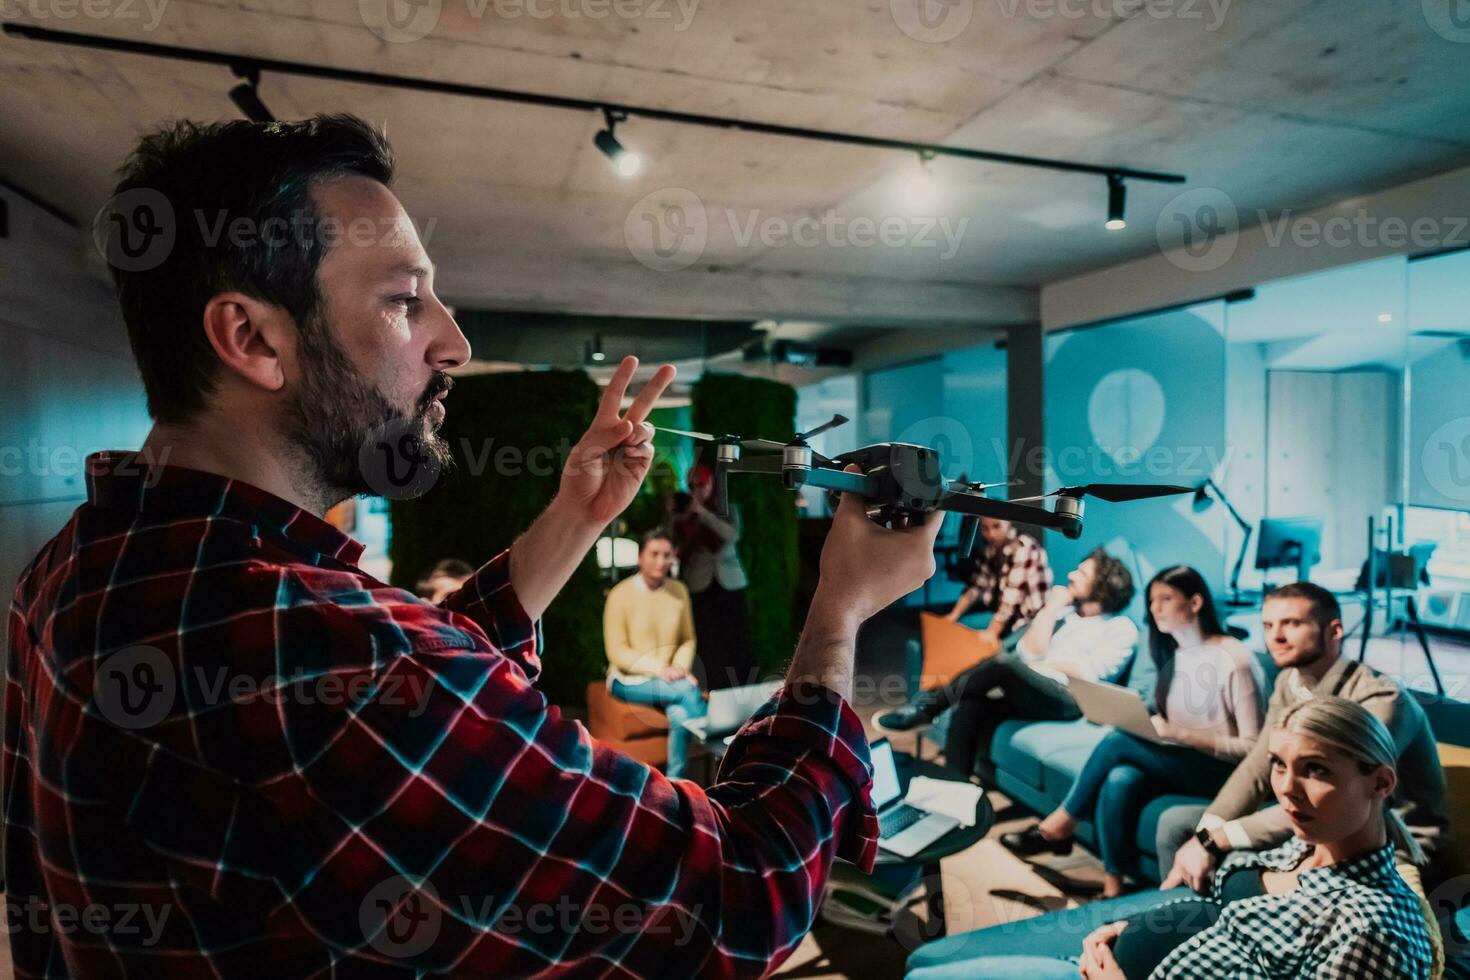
1036,762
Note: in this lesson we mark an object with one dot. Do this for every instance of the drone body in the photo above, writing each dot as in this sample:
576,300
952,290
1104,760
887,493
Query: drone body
900,481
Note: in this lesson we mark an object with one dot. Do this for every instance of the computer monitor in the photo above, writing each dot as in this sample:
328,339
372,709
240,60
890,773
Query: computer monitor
1284,542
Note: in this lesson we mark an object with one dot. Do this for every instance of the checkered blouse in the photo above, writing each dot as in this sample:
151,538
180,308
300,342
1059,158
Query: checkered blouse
1353,921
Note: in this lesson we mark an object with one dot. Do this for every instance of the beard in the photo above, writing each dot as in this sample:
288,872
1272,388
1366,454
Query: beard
336,411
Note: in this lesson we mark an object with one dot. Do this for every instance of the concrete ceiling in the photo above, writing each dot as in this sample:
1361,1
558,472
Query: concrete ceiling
1279,103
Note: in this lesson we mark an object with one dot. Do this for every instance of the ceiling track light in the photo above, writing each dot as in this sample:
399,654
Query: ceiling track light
627,162
608,144
246,95
594,349
1117,203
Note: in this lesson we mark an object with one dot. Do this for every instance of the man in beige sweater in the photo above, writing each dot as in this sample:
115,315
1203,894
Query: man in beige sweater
648,630
1303,627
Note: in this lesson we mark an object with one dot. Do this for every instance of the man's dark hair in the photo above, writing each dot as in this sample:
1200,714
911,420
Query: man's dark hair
212,175
1112,585
457,567
1325,607
657,534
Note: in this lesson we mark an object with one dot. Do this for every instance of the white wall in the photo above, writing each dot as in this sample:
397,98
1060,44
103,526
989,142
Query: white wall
68,385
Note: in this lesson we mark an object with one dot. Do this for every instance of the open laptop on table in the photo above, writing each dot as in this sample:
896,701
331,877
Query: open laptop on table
729,708
1112,704
903,829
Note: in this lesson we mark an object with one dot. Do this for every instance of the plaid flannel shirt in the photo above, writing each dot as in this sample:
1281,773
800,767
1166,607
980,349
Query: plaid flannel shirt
1013,580
1351,921
231,753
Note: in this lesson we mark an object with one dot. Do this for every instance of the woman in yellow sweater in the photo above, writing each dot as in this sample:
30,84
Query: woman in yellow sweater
648,630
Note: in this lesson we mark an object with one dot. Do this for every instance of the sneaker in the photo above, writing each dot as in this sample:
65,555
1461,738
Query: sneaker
903,719
1029,843
925,708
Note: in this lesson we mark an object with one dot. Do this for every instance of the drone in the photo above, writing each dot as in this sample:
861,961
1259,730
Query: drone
901,481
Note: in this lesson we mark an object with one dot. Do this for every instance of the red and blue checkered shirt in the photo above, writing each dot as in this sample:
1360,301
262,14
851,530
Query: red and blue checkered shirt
229,752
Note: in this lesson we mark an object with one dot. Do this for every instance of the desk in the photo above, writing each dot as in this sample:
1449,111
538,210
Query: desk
957,840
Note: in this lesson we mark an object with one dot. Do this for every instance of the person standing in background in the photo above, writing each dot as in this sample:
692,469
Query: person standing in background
710,566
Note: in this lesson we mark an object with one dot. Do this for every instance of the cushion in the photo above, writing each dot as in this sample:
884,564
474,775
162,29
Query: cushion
609,718
1456,762
1046,754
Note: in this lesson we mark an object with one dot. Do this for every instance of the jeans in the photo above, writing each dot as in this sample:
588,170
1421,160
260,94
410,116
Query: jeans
1025,694
1122,773
681,700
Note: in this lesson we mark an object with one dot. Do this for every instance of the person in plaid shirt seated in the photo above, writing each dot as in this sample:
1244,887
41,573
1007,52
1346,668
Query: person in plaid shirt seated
1011,579
1328,904
230,752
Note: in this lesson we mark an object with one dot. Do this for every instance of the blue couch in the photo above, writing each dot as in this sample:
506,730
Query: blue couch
1037,762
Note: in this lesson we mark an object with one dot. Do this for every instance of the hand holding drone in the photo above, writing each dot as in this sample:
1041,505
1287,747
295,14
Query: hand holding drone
900,481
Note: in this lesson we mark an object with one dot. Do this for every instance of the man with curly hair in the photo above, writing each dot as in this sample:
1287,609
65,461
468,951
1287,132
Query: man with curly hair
1081,631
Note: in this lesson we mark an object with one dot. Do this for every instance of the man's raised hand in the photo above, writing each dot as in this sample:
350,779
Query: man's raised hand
607,465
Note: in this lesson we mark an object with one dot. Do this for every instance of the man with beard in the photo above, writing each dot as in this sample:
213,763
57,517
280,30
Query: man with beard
215,718
1302,623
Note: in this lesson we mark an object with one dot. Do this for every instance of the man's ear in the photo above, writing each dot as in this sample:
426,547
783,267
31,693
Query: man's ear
249,337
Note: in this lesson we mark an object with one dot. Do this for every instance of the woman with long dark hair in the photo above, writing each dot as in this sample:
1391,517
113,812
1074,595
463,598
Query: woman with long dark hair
1209,706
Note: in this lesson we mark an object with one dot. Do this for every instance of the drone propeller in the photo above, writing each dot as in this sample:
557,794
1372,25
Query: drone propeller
1111,492
701,436
767,444
831,423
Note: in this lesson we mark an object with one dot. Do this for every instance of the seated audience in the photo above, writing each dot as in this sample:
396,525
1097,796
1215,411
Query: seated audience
1210,703
1080,631
1327,903
1011,579
1303,629
443,580
648,630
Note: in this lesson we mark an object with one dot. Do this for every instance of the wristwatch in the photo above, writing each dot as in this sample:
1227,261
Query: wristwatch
1207,841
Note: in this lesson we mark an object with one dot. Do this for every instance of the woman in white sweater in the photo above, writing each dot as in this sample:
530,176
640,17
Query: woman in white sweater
1210,707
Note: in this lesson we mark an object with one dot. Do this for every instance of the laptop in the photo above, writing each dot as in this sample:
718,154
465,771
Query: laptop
731,707
903,829
1112,704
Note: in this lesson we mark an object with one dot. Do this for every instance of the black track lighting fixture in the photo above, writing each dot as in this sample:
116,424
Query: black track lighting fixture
627,162
595,352
1117,203
246,95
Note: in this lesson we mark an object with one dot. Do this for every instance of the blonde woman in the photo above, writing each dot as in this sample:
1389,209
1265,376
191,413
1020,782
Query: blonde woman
1327,904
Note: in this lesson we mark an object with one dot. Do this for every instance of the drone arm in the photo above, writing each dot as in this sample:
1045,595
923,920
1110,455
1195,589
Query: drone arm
975,505
841,481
